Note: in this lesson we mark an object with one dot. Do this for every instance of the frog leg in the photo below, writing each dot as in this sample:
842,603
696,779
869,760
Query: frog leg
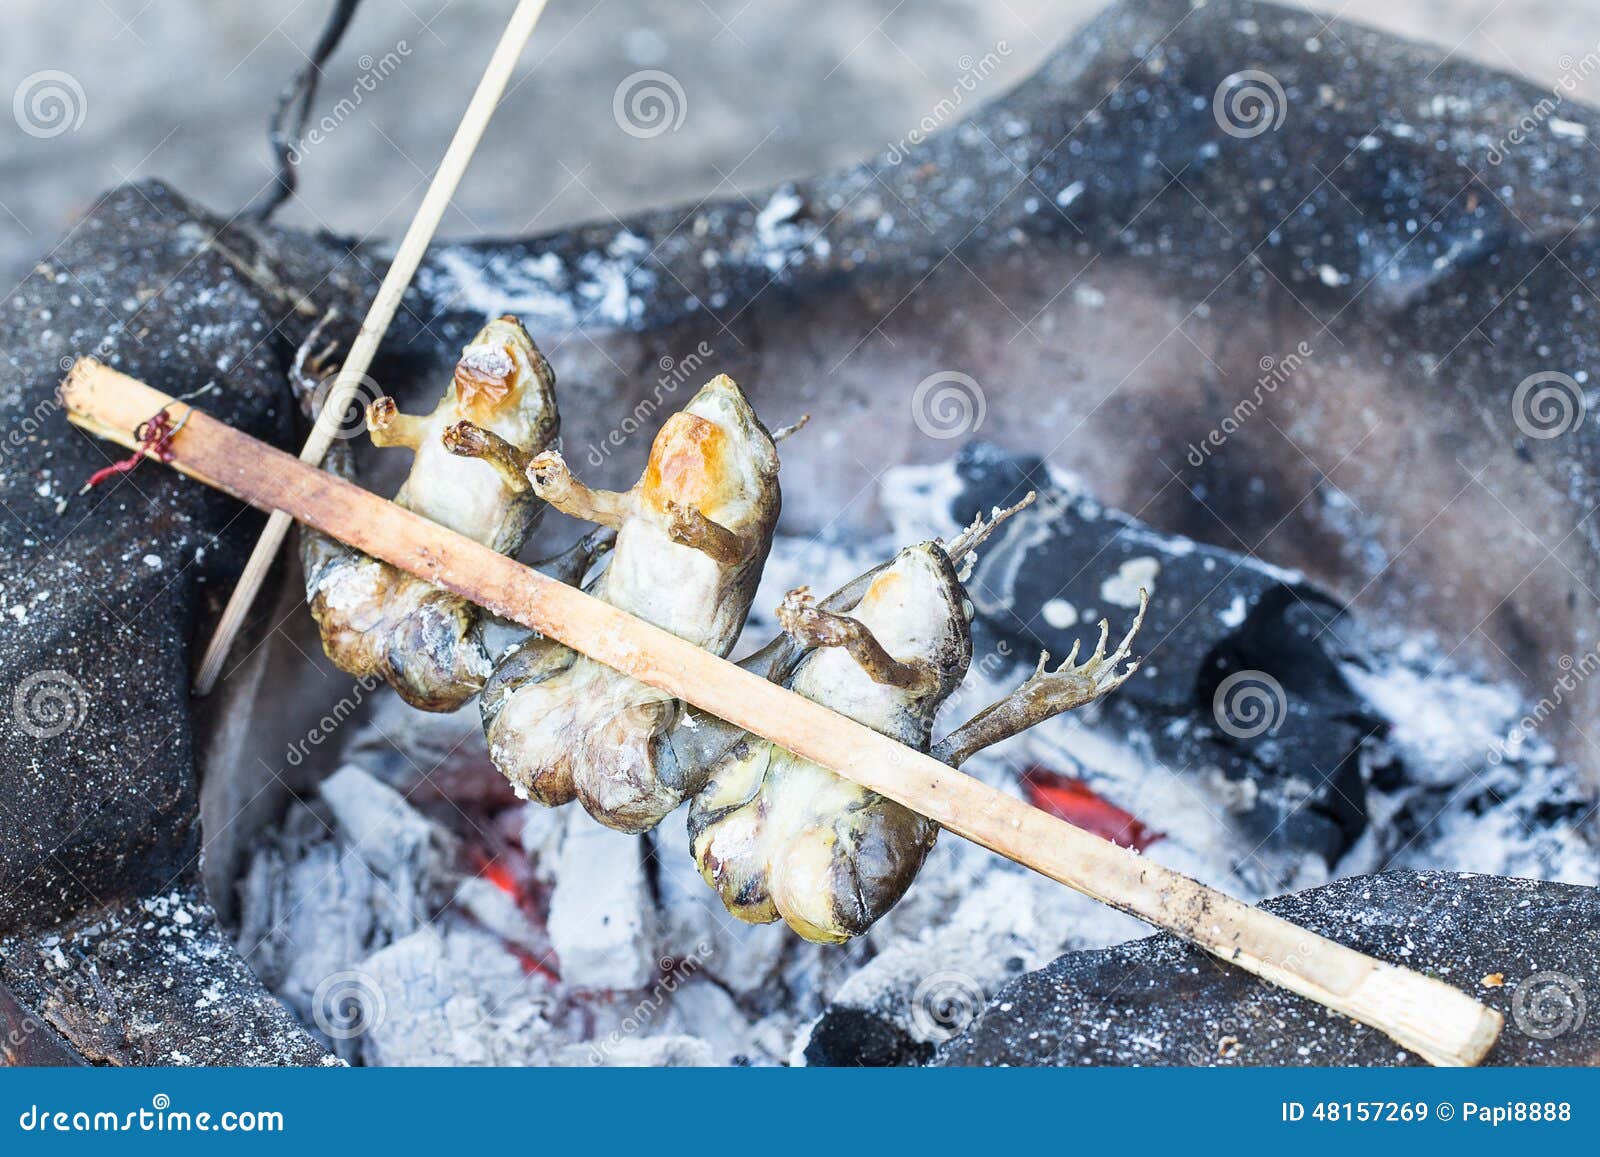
812,626
467,440
777,659
553,481
389,427
1045,694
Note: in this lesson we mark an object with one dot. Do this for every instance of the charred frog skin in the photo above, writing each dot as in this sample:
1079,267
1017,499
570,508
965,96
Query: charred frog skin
780,837
378,621
691,538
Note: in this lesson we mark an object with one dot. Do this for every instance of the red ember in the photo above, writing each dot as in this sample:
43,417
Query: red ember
1074,801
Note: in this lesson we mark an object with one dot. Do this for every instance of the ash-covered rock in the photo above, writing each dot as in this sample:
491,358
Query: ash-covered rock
153,982
1529,949
100,595
101,591
1293,240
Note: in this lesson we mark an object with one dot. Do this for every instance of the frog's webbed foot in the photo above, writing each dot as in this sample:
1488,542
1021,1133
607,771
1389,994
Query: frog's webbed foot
688,527
467,440
1046,693
553,481
389,427
811,626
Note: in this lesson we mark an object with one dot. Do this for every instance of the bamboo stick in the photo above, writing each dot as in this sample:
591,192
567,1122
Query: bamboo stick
1437,1022
354,371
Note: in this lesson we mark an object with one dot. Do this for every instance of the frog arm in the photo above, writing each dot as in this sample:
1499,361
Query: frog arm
811,626
981,528
791,429
389,427
553,481
466,440
1044,694
688,527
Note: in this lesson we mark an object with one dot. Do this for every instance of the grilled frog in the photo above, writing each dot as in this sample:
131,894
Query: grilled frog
691,538
781,837
471,452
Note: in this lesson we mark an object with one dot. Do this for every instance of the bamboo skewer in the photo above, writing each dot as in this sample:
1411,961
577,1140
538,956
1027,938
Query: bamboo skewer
1430,1018
354,371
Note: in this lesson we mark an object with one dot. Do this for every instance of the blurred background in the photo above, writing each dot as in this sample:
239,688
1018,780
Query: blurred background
182,89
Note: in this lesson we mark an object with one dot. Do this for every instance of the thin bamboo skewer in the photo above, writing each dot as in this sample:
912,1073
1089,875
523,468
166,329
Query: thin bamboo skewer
1430,1018
354,371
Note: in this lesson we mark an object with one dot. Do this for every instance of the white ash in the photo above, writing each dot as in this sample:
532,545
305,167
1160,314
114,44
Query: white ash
602,920
1122,589
653,971
605,289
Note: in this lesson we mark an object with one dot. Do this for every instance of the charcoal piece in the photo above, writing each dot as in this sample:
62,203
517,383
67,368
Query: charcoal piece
103,593
857,1037
414,858
103,590
1529,949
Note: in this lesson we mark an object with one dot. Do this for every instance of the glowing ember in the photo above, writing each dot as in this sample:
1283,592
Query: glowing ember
1074,801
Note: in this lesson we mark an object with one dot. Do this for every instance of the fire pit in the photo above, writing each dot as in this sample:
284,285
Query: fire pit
1343,676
